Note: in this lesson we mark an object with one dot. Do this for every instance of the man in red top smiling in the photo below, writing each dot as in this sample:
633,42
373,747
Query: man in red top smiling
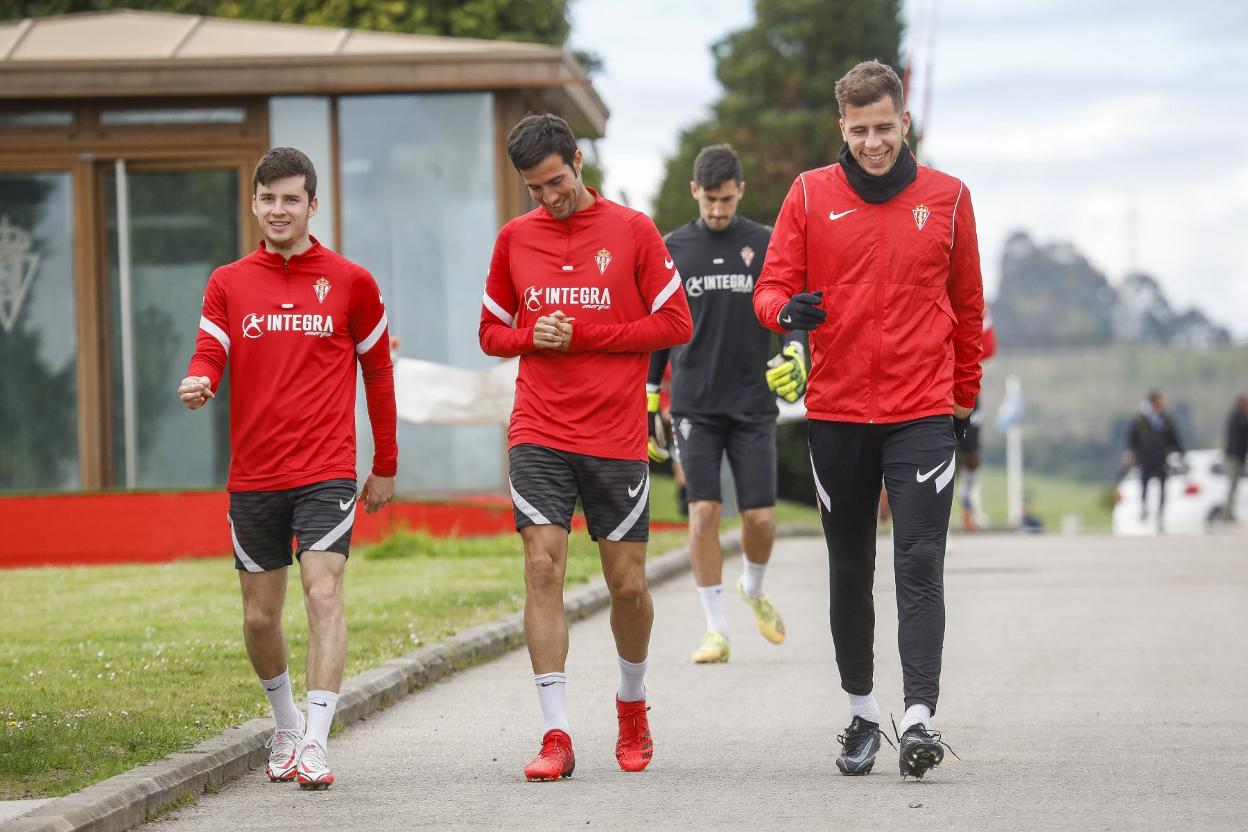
292,318
582,289
877,257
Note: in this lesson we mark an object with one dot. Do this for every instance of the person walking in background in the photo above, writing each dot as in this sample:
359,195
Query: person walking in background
886,251
724,393
1151,438
1236,451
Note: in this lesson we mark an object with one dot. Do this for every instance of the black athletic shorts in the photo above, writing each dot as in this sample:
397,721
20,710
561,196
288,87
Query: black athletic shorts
614,493
701,440
263,524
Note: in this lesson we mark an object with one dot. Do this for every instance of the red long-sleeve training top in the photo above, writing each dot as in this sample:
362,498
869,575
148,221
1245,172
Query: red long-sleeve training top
292,332
606,266
902,288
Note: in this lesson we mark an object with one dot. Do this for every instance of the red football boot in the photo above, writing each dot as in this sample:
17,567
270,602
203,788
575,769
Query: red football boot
634,749
555,760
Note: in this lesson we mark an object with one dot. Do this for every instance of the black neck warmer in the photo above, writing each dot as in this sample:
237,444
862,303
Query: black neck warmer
877,189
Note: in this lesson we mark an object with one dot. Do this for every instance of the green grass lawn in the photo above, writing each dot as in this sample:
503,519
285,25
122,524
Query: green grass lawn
1050,497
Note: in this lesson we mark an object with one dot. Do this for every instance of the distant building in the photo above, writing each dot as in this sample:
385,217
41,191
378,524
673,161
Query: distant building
127,143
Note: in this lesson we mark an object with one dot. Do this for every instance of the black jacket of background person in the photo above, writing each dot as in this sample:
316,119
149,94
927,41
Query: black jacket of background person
1237,435
1152,445
721,370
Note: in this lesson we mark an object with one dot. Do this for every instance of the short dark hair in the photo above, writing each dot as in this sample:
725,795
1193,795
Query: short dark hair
281,162
1154,395
866,84
537,137
715,165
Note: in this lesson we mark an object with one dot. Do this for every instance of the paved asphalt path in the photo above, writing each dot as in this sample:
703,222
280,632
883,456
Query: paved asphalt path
1089,683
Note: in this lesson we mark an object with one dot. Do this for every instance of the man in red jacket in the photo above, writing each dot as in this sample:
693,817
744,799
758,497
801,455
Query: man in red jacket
582,289
293,318
877,257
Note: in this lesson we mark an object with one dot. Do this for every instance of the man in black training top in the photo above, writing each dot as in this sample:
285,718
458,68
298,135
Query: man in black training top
723,392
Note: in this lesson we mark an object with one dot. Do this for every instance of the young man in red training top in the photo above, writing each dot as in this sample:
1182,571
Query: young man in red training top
292,318
877,257
582,289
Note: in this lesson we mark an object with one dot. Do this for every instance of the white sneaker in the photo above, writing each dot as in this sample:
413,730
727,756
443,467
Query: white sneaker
313,767
284,752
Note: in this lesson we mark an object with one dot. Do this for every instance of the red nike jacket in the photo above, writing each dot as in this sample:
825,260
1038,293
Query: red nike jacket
607,267
292,333
902,289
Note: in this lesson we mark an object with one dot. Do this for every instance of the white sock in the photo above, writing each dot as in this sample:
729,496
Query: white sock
281,700
713,605
864,706
916,714
551,691
321,707
632,680
753,576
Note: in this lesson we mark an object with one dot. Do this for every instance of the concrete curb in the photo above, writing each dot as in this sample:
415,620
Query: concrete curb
130,799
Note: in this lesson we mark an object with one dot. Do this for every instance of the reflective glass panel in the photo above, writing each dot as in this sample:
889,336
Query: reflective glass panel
418,211
196,115
38,336
183,224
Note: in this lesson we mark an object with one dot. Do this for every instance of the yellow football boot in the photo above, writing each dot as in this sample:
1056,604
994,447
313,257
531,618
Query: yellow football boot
768,619
712,650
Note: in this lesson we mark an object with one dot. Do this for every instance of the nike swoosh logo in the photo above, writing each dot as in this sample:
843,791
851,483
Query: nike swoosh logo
835,216
925,477
632,492
786,320
270,690
668,263
346,505
322,704
546,684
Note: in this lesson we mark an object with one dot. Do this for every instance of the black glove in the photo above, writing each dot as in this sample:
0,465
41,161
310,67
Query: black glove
960,426
803,312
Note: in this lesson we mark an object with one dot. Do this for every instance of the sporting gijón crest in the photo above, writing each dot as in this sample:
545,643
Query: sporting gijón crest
603,259
747,256
321,287
920,215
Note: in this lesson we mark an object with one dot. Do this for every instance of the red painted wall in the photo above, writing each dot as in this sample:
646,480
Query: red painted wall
149,527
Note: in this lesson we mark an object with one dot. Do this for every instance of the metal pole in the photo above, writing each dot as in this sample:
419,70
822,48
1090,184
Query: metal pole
127,324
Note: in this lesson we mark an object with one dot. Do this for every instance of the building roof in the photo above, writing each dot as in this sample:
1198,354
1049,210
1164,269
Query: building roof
126,53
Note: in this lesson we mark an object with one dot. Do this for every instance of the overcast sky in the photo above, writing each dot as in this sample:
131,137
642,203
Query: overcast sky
1117,125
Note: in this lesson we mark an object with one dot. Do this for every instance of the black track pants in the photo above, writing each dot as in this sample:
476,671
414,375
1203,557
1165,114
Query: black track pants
915,462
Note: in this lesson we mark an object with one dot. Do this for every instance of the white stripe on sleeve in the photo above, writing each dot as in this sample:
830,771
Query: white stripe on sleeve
216,332
367,344
668,291
498,311
953,222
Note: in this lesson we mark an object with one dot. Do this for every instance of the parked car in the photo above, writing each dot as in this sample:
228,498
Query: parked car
1195,496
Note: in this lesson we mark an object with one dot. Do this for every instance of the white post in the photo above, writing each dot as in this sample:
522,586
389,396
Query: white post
128,410
1014,458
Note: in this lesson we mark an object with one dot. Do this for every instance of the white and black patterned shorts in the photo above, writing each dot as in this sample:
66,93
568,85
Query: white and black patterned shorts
614,493
264,524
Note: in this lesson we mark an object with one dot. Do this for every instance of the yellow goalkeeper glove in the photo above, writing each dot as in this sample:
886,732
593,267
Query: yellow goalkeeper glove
656,446
786,376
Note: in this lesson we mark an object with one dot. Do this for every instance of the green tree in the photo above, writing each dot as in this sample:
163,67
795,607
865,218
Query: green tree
779,104
533,21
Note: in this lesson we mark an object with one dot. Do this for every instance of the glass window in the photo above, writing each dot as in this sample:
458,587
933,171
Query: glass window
302,121
37,118
38,335
190,115
418,211
183,224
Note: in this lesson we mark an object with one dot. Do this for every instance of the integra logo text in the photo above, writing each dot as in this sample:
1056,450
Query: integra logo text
256,325
586,297
700,284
